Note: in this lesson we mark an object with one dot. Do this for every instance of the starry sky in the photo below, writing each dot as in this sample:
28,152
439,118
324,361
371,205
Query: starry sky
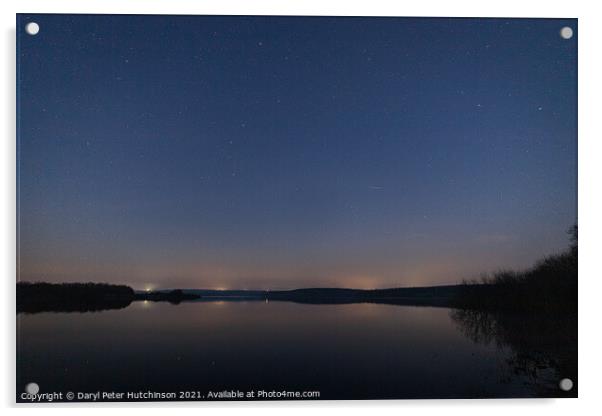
284,152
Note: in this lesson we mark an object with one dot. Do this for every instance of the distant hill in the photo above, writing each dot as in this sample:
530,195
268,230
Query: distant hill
212,293
173,296
427,296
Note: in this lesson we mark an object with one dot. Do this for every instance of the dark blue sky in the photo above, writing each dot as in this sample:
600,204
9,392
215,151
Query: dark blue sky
280,152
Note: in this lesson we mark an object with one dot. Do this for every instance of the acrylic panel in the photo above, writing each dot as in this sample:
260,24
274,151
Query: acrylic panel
295,208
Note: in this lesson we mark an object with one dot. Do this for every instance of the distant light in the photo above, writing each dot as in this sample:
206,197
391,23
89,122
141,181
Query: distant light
566,32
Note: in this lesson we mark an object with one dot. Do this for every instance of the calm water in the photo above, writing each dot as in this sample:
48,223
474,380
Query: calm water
342,351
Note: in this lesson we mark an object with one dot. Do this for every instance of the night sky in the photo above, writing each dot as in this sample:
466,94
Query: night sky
284,152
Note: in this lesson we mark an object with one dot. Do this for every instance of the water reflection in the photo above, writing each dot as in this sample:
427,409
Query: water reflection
543,347
349,351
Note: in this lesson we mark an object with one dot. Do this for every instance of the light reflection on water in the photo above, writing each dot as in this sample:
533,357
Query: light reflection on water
344,351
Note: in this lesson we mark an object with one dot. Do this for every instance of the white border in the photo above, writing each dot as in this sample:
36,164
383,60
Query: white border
590,200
